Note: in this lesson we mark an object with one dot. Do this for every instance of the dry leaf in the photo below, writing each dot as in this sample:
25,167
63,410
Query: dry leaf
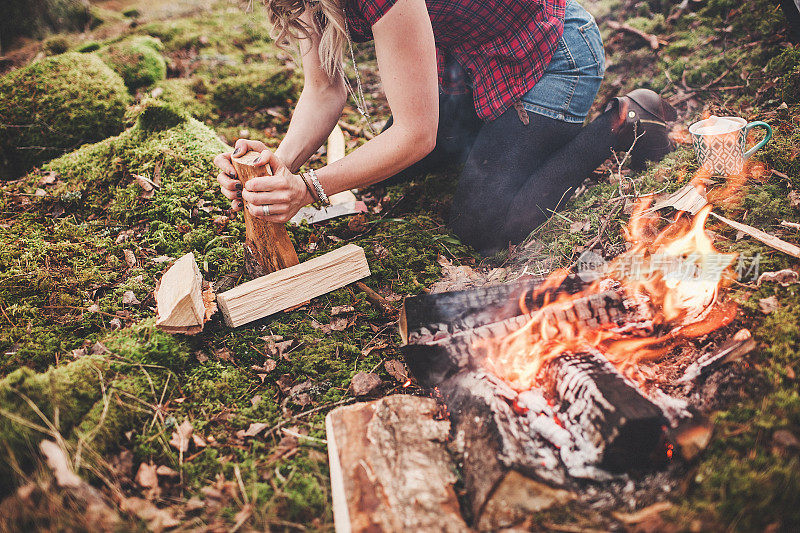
58,463
339,324
156,519
268,366
99,348
357,223
342,309
199,441
768,305
165,471
285,383
130,258
255,428
148,190
48,177
366,351
785,277
181,436
223,354
365,383
129,298
146,476
397,370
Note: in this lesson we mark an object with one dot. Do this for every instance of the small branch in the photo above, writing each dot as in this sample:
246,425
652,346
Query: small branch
380,303
651,39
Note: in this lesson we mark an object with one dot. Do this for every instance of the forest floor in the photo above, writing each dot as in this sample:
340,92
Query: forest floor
225,430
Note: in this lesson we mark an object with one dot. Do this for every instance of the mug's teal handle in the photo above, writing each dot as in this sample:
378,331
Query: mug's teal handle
765,140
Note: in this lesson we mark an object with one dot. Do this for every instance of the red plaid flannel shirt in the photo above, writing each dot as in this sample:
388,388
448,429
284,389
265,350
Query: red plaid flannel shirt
499,48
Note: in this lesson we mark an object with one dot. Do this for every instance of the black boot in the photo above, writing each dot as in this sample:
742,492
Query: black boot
642,116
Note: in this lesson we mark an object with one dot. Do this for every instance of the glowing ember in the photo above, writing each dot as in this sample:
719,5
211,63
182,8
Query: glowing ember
671,278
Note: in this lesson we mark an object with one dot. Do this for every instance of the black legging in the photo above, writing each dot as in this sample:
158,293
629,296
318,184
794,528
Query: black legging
514,174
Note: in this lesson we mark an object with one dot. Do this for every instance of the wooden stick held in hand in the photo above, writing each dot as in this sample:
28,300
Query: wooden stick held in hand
267,246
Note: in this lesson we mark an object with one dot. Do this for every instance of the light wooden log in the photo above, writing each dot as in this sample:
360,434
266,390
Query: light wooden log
182,306
390,470
292,286
267,245
336,151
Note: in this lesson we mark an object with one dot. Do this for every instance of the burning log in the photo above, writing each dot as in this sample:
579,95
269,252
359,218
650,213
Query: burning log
430,316
434,358
507,472
625,429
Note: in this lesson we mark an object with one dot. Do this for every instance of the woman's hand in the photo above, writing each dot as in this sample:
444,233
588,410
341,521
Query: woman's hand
283,193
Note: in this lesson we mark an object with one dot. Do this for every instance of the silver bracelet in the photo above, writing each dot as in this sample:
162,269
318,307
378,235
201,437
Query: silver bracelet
323,198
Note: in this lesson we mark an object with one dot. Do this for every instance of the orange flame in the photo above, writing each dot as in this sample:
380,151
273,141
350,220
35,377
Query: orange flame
670,278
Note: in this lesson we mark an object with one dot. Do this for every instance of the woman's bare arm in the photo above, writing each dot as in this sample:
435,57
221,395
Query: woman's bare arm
406,54
318,108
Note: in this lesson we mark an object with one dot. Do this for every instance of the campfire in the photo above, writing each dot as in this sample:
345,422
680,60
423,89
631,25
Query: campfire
578,378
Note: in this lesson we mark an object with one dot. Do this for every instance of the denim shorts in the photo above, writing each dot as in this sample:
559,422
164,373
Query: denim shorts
571,80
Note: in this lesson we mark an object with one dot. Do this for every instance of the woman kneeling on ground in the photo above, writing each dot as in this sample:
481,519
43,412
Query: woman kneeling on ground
503,86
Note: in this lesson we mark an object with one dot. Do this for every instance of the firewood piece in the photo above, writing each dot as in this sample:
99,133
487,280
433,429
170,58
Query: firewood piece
448,312
390,470
434,358
336,151
267,245
503,478
181,303
763,236
626,428
432,363
292,286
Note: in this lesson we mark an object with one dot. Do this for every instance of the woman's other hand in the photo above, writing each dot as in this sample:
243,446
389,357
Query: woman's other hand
275,198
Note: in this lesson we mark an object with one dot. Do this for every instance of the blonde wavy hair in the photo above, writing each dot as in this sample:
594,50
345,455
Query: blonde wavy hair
328,17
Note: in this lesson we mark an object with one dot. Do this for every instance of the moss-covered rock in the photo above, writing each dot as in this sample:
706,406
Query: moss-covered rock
36,18
57,44
265,87
137,60
87,47
54,400
186,94
55,105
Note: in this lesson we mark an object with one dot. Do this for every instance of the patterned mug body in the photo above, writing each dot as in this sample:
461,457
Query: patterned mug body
721,143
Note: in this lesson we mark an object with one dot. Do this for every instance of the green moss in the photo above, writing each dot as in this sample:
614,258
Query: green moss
263,88
55,105
56,399
36,18
188,95
137,60
159,116
55,45
87,47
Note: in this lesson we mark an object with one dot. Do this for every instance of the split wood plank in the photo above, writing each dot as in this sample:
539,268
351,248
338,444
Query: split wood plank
292,286
336,151
763,236
181,304
267,245
390,469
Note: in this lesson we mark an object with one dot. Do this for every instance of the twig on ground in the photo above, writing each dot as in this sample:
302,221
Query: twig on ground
652,40
380,303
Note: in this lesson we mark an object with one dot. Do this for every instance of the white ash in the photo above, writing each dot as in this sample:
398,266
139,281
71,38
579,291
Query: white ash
675,410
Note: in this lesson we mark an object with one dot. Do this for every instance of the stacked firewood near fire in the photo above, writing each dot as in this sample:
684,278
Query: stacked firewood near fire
581,386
